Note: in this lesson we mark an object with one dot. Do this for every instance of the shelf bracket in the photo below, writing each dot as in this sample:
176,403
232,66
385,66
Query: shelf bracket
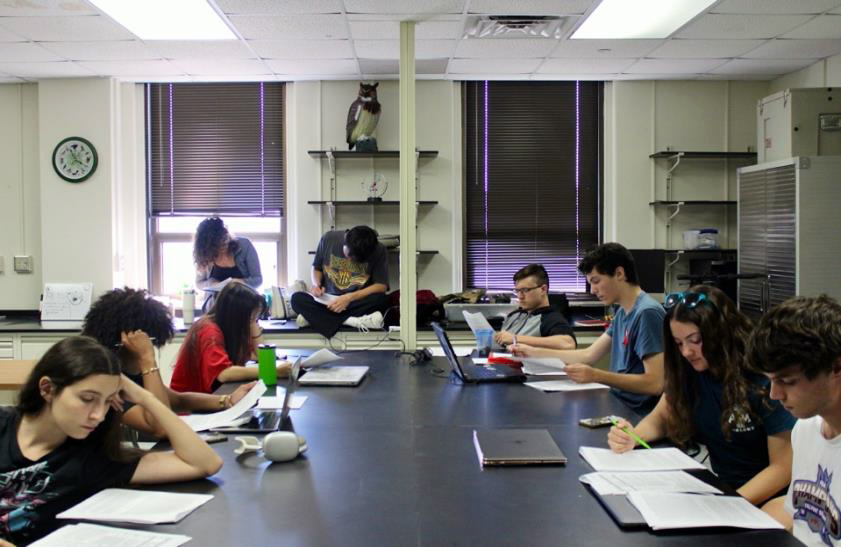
331,161
676,159
331,212
674,214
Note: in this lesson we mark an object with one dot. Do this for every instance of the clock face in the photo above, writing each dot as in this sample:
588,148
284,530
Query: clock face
74,159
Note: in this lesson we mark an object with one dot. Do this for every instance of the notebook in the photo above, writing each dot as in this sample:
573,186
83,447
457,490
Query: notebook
333,376
470,373
516,447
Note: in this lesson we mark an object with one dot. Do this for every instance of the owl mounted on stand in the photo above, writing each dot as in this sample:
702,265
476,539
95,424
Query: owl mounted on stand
362,118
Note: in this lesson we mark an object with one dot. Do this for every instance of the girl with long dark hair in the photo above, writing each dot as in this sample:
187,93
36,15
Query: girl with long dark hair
219,256
218,344
714,398
61,443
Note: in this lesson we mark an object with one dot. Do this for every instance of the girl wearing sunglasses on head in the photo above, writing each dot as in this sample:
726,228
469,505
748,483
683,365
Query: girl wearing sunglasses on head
711,397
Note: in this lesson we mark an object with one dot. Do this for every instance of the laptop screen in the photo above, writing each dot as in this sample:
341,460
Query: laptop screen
444,340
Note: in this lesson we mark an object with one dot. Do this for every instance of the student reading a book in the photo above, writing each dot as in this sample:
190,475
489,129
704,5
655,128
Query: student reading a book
634,338
132,324
219,256
535,322
714,398
217,346
61,443
798,346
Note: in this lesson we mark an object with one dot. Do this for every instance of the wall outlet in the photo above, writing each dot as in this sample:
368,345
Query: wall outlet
23,264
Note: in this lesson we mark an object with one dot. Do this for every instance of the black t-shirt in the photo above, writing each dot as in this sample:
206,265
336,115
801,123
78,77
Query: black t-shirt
341,274
541,322
33,492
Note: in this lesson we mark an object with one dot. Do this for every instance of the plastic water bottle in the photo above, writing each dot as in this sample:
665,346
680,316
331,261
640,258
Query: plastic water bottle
188,304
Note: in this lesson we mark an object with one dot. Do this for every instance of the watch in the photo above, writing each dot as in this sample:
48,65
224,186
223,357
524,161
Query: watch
75,159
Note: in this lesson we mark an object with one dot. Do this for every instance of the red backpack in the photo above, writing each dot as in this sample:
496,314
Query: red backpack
428,308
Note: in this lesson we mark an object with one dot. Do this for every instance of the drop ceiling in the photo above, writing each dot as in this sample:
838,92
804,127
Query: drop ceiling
288,40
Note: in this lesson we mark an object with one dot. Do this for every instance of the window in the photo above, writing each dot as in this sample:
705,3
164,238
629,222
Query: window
214,149
533,179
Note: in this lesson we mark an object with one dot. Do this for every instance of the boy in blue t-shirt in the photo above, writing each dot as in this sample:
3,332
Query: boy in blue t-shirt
634,338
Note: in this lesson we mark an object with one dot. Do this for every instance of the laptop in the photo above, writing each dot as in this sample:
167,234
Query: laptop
327,375
257,420
517,447
470,373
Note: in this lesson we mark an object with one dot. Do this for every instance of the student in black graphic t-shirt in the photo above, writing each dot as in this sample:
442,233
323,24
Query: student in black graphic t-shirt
350,277
61,443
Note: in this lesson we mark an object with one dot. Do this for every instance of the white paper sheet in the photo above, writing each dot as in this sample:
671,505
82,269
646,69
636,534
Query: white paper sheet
66,301
476,321
320,357
609,482
670,511
655,459
295,402
564,385
201,422
217,287
96,535
459,351
137,506
325,299
543,366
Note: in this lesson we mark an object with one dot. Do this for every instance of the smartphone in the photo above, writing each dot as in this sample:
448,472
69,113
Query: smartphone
593,423
213,437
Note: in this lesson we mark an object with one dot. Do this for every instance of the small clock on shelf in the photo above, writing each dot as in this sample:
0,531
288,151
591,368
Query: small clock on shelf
75,159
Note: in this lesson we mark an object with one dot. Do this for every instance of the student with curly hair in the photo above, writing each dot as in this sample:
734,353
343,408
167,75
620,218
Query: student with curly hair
218,345
714,398
219,256
131,323
61,443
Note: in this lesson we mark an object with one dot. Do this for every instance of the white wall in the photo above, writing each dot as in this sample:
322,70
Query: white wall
824,73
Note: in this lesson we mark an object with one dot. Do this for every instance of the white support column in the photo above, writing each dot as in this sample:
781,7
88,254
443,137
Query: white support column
408,191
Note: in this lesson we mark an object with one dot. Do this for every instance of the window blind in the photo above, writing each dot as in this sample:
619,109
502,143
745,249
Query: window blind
533,166
215,148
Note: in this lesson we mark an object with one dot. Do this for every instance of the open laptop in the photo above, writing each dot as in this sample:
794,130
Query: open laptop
517,447
257,420
470,373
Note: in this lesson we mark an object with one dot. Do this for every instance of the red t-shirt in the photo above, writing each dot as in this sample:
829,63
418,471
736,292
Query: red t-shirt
196,370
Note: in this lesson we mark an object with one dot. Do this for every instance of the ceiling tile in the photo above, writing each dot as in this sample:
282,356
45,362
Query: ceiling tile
738,67
580,77
673,66
273,7
664,76
480,48
390,30
408,7
769,7
532,7
714,26
584,66
7,36
132,68
494,66
755,77
605,48
315,67
66,29
390,49
823,27
796,49
10,80
101,51
45,70
302,49
26,52
313,27
24,8
211,49
379,66
708,49
221,67
431,66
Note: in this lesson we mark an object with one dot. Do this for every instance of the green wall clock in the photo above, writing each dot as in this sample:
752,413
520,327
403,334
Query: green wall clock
75,159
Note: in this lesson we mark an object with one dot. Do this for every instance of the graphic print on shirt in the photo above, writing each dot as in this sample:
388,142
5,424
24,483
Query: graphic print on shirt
21,492
740,420
345,273
814,504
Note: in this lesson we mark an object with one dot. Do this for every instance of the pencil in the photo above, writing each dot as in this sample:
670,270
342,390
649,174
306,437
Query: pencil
633,435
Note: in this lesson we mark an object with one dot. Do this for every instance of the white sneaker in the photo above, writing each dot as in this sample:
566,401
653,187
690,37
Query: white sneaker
366,322
302,321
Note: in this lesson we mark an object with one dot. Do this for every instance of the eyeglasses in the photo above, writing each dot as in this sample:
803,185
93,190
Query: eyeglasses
525,290
688,299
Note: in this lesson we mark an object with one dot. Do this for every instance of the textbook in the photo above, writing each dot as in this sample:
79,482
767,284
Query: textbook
650,459
671,511
136,506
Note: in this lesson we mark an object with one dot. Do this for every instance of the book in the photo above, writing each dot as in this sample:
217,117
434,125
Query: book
135,506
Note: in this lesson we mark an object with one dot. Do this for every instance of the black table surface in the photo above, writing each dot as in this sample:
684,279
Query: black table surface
392,462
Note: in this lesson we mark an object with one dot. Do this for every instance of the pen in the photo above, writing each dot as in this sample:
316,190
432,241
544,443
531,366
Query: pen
633,435
514,339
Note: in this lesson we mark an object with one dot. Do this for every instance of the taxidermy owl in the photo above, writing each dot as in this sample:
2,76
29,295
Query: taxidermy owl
362,118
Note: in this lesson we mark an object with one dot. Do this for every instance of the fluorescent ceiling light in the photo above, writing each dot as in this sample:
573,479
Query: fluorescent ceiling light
616,19
167,19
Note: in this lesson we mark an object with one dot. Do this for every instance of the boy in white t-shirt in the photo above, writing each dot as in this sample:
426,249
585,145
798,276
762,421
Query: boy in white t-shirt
798,346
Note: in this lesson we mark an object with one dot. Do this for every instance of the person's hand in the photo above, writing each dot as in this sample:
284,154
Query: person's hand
580,373
240,392
4,543
521,350
618,440
140,345
284,368
503,338
316,290
340,304
130,391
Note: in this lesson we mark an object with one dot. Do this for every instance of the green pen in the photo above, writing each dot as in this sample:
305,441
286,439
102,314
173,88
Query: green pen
633,435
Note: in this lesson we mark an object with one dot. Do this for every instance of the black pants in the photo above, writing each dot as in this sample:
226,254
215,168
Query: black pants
326,322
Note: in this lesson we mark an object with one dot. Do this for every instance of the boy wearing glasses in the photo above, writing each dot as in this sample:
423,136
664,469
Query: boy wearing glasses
634,338
535,323
798,346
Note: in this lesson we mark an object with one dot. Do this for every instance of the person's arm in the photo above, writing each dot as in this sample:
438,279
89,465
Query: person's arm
588,355
192,401
203,279
317,276
137,417
776,508
253,274
650,428
650,382
246,374
191,457
776,476
341,303
556,341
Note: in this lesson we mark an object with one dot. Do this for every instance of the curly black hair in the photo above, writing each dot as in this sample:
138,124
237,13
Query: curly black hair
125,310
361,242
210,237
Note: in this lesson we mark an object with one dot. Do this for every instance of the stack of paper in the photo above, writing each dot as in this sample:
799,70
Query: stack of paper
202,422
669,511
543,366
609,483
95,535
655,459
564,385
295,401
320,357
137,506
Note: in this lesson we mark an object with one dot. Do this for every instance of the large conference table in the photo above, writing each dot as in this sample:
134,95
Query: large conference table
392,462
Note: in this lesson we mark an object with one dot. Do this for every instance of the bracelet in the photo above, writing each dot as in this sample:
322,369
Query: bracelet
150,371
225,401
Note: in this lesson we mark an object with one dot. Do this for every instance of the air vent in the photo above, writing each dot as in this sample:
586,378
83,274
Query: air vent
514,26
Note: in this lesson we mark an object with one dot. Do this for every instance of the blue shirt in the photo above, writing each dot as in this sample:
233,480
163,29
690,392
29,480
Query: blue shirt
633,337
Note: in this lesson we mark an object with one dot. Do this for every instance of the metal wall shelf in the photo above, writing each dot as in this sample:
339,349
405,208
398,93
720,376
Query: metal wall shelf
681,203
365,202
379,154
702,155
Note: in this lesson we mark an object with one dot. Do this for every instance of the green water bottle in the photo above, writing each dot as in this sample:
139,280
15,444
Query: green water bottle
267,363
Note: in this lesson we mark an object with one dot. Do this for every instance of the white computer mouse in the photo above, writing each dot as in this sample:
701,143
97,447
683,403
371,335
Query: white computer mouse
280,446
